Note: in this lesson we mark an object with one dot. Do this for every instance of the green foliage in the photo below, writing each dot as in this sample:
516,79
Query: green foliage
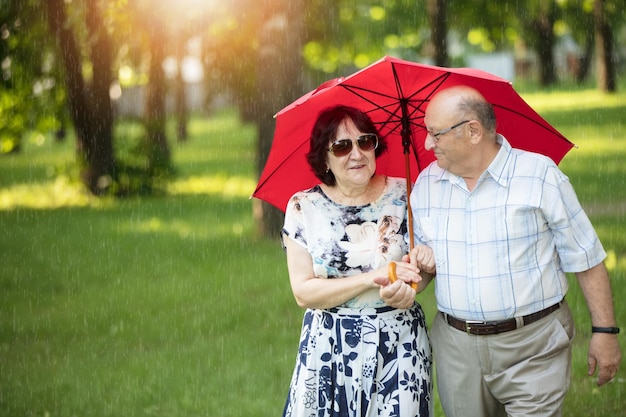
488,26
11,123
31,97
353,34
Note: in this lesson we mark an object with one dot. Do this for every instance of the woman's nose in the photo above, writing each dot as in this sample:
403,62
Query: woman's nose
356,148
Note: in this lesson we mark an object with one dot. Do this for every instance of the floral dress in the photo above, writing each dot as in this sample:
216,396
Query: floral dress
363,358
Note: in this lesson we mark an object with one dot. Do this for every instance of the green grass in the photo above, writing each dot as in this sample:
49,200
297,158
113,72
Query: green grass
170,306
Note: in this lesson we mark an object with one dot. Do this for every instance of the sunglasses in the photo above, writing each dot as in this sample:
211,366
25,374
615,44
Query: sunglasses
343,147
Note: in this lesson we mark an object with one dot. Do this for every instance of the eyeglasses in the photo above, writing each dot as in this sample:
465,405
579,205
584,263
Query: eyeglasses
343,147
436,135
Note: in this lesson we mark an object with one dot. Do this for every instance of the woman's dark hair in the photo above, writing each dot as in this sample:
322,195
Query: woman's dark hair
325,132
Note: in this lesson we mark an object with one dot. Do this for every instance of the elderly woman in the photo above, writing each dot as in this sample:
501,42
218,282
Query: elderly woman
360,353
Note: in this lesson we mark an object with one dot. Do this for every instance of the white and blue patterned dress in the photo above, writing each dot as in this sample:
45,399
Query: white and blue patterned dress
363,358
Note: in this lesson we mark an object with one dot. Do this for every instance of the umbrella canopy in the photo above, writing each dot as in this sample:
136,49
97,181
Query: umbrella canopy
394,93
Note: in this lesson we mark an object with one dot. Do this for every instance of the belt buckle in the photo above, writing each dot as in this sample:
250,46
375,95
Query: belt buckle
468,325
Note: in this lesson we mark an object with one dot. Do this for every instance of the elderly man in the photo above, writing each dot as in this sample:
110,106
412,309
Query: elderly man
505,226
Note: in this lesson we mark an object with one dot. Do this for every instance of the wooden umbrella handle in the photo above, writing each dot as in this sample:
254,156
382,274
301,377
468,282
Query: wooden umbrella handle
393,277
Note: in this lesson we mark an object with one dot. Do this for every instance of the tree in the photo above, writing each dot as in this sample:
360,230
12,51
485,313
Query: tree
604,48
537,19
578,16
438,31
485,23
31,99
159,155
89,102
15,90
347,35
593,24
279,82
180,96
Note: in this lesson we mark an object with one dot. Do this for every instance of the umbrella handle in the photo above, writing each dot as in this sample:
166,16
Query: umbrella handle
393,277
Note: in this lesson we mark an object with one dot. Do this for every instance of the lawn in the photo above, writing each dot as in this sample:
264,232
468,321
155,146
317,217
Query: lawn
171,306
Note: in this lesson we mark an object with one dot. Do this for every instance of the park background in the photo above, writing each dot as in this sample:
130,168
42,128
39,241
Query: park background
160,288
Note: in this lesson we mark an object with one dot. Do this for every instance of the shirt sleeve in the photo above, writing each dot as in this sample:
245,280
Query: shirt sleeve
576,240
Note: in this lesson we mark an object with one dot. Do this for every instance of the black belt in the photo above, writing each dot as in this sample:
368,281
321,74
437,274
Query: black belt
482,328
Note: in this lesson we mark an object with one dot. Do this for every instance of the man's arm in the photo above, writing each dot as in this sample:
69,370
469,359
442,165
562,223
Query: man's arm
604,351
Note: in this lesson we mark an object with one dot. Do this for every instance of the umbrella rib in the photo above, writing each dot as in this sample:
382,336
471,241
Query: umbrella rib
553,130
267,178
415,105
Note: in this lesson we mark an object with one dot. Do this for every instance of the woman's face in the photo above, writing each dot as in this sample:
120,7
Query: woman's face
355,169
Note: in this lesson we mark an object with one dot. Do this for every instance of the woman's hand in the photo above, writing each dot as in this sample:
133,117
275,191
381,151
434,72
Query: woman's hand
397,294
393,275
416,267
400,294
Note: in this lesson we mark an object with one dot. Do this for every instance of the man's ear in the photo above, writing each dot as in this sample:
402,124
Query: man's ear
476,131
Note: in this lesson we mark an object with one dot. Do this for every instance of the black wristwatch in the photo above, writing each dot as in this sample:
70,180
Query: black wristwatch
611,330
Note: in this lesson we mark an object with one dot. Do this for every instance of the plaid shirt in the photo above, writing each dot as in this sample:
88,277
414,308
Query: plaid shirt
502,249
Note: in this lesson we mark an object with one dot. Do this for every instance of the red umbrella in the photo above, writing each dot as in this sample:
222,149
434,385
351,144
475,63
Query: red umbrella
394,93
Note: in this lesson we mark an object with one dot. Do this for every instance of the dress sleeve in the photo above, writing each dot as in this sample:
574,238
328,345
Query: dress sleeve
294,224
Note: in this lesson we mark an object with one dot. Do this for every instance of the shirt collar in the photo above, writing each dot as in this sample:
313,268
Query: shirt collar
498,167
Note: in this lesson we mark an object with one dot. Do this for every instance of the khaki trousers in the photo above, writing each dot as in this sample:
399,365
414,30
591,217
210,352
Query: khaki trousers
524,372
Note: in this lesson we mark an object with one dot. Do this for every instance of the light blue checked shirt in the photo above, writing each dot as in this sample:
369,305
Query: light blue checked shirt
502,250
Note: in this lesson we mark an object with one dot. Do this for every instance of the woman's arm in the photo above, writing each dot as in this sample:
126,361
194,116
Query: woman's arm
312,291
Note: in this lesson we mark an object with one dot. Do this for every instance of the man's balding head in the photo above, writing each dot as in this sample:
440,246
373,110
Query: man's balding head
466,103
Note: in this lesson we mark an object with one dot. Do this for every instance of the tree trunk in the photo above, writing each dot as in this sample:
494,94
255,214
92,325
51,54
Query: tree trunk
155,114
280,82
92,118
538,23
585,61
604,50
100,156
544,35
182,115
438,31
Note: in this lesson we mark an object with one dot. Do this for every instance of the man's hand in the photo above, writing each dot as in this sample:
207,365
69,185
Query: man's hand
604,355
423,258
